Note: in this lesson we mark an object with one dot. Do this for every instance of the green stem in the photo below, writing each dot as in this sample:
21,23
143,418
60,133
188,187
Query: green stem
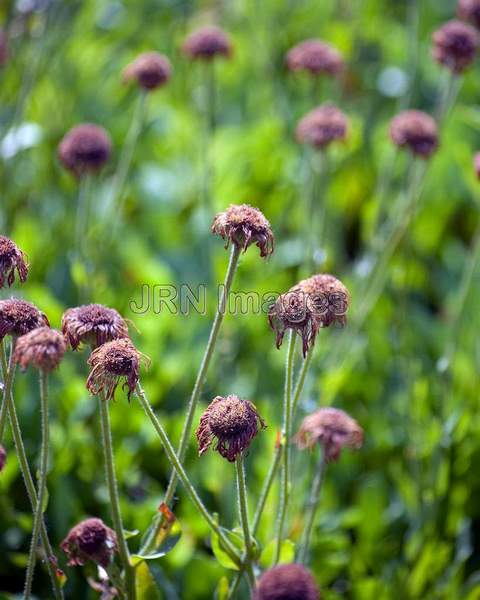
301,381
8,371
42,484
114,498
244,521
183,477
81,221
312,508
287,416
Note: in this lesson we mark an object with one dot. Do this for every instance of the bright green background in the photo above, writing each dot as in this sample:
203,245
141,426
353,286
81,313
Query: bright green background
400,518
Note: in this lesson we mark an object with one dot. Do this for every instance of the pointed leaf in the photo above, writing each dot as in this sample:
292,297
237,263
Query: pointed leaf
221,593
220,554
167,533
145,584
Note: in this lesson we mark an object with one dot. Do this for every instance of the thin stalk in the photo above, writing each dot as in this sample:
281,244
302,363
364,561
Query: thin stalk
81,221
31,492
114,498
8,371
312,508
211,108
317,209
183,477
301,381
42,484
244,520
202,372
286,432
266,488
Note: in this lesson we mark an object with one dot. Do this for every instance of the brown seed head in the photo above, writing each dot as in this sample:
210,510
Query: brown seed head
3,48
286,582
114,361
18,317
150,70
42,347
470,11
11,259
85,149
206,43
455,45
476,164
333,429
92,324
321,126
3,458
316,57
327,298
415,130
232,422
90,540
244,225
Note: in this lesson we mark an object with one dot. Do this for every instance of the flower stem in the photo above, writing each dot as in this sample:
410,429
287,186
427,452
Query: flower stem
312,507
287,417
244,521
114,498
183,477
202,372
8,371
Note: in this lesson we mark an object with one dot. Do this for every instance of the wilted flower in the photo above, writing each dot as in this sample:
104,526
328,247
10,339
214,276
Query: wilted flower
18,317
416,131
286,582
11,259
476,164
111,362
85,149
42,347
207,42
150,70
3,458
233,422
92,324
91,540
244,225
316,57
470,11
455,45
333,429
327,298
321,126
3,48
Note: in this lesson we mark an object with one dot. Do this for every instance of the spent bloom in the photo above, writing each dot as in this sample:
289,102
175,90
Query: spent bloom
321,126
3,458
85,149
232,422
42,348
244,225
150,70
18,317
415,130
207,42
333,429
11,259
91,540
286,582
92,324
316,57
470,11
112,362
455,45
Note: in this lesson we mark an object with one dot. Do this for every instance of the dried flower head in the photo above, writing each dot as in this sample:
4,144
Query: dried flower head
91,540
476,164
150,70
11,259
85,149
92,324
286,582
42,347
112,362
455,45
333,429
321,126
470,11
316,57
244,225
3,458
311,304
415,130
3,48
18,317
233,422
207,42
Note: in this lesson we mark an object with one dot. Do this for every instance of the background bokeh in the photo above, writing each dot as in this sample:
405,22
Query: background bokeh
401,517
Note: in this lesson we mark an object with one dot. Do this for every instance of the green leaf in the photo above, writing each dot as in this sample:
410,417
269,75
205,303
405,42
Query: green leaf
167,533
221,593
220,554
130,534
287,553
145,584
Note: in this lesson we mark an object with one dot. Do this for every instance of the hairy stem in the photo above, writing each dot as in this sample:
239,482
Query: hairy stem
183,477
8,371
42,484
114,497
244,520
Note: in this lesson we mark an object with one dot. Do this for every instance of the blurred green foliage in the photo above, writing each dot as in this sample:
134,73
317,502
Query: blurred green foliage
398,519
